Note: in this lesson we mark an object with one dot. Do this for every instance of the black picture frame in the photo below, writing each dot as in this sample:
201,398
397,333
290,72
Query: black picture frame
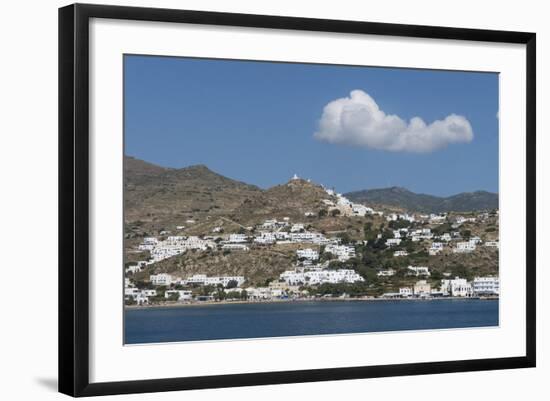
74,198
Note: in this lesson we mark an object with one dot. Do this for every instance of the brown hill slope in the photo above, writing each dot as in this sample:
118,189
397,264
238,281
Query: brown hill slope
165,196
153,193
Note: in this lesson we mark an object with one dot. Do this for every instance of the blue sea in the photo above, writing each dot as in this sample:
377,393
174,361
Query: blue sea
232,321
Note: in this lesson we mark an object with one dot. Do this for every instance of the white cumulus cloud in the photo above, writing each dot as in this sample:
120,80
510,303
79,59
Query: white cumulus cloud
358,121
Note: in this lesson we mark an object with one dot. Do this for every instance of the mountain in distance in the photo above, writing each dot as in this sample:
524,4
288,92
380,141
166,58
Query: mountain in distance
408,200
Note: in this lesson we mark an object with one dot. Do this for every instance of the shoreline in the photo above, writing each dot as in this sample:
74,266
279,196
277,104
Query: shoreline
277,301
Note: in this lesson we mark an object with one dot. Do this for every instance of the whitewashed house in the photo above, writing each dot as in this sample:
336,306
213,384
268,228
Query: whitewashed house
265,238
308,253
393,242
235,247
296,228
475,240
464,247
342,252
386,273
237,238
445,237
161,279
183,295
418,271
133,269
435,248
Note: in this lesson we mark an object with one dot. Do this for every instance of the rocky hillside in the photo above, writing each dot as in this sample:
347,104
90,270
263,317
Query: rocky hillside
153,193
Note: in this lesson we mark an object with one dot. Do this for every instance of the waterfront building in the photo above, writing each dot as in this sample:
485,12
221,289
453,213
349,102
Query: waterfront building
457,287
422,288
486,286
319,276
183,295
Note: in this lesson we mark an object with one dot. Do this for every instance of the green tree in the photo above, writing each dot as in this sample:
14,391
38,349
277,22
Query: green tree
232,284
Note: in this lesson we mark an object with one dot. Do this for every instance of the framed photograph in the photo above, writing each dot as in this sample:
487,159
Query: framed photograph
251,199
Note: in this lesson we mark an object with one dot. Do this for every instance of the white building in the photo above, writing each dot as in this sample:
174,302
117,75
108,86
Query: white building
486,286
435,248
203,279
457,287
492,244
360,210
133,269
462,220
400,253
183,295
405,292
418,271
445,237
316,238
464,247
475,240
386,273
237,238
320,276
437,218
265,238
235,247
392,217
259,293
161,279
308,253
296,228
342,252
393,242
131,292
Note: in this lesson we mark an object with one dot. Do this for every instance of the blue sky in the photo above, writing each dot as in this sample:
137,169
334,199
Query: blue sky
255,122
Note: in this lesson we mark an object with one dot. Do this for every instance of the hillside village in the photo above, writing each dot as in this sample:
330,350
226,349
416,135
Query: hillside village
296,241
